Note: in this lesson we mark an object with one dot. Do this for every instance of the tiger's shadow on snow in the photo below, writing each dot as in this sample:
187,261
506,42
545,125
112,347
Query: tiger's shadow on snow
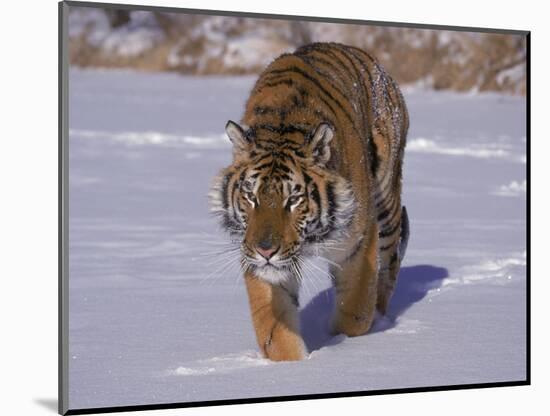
413,284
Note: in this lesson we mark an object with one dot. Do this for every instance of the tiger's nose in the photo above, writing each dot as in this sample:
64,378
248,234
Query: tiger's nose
266,252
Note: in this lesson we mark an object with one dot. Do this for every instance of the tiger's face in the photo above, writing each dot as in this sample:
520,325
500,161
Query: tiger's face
280,201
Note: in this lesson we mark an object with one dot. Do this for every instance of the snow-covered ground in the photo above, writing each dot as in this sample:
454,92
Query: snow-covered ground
154,316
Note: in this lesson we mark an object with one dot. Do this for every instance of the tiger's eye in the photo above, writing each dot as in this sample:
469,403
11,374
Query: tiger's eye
292,200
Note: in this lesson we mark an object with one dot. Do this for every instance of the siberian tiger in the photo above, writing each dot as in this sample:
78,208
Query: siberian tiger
317,163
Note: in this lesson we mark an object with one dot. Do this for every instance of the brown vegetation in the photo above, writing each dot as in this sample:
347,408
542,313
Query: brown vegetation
206,45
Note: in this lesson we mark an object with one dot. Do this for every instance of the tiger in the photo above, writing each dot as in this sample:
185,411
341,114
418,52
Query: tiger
316,171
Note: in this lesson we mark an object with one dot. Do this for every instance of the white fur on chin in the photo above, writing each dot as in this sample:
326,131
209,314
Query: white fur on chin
272,275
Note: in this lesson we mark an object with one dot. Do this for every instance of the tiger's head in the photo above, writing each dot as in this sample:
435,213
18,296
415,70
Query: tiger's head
280,200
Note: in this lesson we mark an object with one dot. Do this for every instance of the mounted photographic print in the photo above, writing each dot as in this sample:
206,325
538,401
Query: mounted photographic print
259,207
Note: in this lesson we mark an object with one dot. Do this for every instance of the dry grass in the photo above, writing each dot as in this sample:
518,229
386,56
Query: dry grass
202,45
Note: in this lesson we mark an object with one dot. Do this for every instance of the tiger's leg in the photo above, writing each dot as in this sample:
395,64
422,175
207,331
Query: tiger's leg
392,241
275,318
355,286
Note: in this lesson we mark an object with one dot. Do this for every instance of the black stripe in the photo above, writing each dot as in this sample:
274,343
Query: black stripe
271,84
350,75
341,69
375,159
331,108
358,74
388,232
283,128
283,176
311,60
385,248
225,184
259,146
289,157
235,211
279,156
389,210
366,68
382,215
363,103
235,198
355,77
383,73
265,165
307,178
296,70
240,208
280,166
331,203
298,101
371,144
260,158
265,83
316,196
362,52
356,250
379,193
372,149
383,201
290,149
395,213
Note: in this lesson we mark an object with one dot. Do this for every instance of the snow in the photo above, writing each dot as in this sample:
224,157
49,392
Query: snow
136,138
159,315
224,364
422,144
514,188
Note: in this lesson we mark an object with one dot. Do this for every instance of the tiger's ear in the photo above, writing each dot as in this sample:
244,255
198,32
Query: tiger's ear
237,136
319,143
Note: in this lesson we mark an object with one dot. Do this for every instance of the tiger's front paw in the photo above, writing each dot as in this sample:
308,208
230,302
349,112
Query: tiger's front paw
284,345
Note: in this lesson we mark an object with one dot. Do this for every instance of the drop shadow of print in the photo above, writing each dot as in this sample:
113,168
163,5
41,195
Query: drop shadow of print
49,404
413,284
